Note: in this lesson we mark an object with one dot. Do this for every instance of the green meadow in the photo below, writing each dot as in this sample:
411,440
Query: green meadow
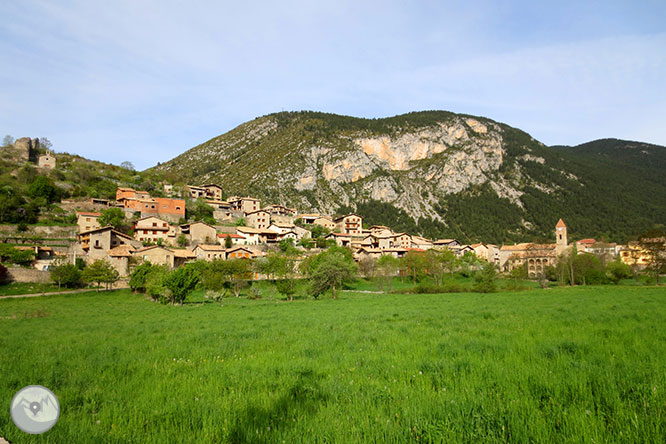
585,364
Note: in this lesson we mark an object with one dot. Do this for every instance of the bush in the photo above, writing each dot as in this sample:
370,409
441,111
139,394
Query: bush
618,270
486,279
13,255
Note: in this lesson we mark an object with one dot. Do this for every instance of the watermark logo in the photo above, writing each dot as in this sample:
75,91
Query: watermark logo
35,409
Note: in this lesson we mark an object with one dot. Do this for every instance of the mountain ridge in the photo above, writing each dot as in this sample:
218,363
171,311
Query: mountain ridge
444,170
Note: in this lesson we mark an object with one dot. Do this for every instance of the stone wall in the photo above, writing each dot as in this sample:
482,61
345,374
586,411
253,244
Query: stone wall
18,274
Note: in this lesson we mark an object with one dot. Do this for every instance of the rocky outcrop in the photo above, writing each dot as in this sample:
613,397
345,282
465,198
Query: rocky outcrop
24,149
321,162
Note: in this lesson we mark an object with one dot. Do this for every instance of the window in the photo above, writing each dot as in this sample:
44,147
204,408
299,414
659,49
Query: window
87,219
178,208
154,224
164,225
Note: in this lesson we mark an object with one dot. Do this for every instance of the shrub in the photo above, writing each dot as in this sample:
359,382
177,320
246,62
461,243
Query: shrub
618,270
486,279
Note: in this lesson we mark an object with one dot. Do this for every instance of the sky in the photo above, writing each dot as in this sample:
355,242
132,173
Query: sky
143,81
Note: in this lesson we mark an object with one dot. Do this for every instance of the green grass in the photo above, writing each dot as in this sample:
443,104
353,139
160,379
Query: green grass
14,288
558,365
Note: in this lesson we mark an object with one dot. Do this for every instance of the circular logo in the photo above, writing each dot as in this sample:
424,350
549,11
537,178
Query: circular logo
35,409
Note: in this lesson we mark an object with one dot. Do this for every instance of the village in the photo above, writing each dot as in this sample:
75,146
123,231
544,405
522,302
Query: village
246,229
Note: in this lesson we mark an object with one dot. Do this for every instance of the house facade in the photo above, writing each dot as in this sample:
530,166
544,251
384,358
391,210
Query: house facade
351,224
152,229
87,221
259,219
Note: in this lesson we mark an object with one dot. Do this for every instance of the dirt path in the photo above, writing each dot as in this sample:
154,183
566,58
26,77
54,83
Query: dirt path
50,293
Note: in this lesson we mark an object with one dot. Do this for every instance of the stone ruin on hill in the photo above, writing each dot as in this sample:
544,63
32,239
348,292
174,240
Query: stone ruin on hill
25,149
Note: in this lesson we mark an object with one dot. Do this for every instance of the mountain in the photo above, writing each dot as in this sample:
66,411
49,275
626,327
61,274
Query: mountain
436,173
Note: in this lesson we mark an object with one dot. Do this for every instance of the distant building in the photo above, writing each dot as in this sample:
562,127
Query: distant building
351,224
47,160
244,204
258,219
151,229
87,221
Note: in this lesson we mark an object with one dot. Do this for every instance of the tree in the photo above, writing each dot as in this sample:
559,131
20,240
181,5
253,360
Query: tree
240,274
486,279
618,270
281,266
67,275
331,272
199,210
228,243
114,217
415,265
439,263
387,268
100,272
45,143
44,187
127,165
180,283
181,240
653,246
287,246
141,276
367,266
7,140
588,270
13,255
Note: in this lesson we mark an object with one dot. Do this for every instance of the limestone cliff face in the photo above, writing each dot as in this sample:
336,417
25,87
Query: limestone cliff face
403,168
321,162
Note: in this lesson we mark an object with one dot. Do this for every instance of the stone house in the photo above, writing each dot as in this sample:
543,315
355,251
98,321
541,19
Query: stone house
324,222
199,233
341,240
403,240
351,224
47,160
251,236
119,258
259,219
213,191
445,243
240,253
488,252
171,257
244,204
236,239
152,229
196,192
381,230
209,252
421,243
87,221
309,218
95,244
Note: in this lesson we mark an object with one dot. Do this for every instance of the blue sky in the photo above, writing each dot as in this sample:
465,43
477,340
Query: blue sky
146,80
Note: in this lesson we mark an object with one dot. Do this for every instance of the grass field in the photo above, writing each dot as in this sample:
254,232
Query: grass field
29,288
558,365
